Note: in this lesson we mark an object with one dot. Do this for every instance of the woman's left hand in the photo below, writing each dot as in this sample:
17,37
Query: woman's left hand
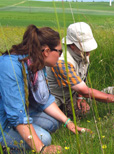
71,127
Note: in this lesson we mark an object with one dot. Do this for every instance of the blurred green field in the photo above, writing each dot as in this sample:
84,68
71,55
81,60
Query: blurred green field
81,5
23,13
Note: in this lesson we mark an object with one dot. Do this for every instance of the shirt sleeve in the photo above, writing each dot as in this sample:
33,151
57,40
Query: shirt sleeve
51,99
65,76
13,95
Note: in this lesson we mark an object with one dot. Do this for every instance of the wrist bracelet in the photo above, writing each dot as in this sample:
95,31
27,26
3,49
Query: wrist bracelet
42,149
67,122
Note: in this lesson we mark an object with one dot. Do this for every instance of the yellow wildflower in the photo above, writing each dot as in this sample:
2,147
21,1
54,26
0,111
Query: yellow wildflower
21,141
33,151
66,148
15,142
104,146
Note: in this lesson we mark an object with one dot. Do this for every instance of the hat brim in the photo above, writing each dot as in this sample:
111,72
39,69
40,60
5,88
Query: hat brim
86,46
65,40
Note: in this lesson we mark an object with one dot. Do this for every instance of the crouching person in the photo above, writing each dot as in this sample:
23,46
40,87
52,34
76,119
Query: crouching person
28,112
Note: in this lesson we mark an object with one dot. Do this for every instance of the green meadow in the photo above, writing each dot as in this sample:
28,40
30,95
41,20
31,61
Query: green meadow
16,15
22,13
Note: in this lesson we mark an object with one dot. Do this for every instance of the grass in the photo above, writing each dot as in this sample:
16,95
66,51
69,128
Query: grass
89,143
78,5
39,13
14,21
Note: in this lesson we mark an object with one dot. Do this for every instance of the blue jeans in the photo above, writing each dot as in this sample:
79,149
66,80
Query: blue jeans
43,125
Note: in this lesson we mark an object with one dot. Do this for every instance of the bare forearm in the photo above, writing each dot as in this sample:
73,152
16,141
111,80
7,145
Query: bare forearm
99,96
29,135
54,111
87,92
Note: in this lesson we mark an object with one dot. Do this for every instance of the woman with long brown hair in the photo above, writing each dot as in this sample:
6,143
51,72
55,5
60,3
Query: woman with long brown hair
28,112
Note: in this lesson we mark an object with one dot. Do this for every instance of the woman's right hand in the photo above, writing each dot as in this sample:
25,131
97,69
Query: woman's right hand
52,149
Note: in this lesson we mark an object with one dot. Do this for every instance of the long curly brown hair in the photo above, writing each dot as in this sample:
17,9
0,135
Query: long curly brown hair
33,40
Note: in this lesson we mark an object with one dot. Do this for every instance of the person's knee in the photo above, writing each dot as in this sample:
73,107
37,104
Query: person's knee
53,125
48,123
43,135
45,138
